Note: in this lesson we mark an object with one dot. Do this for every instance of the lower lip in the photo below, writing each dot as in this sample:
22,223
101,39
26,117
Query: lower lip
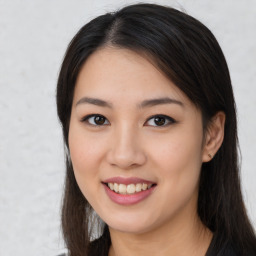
128,199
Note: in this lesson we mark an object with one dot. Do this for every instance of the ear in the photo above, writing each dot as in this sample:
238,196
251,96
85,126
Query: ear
214,136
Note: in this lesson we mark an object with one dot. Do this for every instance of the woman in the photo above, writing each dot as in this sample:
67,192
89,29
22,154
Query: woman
146,105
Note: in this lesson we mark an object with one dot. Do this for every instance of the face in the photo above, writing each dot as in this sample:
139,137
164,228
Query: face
136,143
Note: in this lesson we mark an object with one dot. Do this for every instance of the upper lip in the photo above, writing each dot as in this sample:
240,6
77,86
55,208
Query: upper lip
127,181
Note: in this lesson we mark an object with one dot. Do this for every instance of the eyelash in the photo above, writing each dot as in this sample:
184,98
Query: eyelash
86,119
167,120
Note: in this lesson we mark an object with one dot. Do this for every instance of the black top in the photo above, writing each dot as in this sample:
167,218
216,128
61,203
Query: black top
98,248
226,250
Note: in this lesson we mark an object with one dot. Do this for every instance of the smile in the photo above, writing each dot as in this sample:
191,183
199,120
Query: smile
129,189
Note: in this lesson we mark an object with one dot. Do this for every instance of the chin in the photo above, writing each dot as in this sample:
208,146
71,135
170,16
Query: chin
131,229
130,224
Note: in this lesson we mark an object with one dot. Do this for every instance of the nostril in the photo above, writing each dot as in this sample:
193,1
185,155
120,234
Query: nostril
126,159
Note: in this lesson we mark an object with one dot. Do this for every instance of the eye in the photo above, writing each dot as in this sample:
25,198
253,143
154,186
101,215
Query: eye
160,120
95,119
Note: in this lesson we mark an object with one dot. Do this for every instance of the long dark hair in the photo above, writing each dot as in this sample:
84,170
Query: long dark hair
189,55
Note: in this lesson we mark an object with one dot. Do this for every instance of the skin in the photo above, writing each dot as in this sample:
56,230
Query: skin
130,144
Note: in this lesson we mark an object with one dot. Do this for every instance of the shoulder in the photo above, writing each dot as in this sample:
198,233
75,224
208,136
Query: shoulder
221,247
229,249
98,247
234,250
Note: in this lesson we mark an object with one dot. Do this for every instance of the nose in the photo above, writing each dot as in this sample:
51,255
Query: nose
125,149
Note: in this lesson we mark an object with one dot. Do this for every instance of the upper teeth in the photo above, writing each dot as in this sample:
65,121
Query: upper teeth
129,189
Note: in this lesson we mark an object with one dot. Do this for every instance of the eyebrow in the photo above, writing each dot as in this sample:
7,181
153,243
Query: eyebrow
94,101
159,101
143,104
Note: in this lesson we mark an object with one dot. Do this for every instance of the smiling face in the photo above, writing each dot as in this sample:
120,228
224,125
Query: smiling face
134,132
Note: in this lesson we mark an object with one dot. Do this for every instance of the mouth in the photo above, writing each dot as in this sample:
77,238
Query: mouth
129,189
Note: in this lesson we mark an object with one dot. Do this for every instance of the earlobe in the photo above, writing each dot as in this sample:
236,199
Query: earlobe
214,136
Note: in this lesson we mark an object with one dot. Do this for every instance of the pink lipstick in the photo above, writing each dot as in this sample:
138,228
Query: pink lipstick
128,191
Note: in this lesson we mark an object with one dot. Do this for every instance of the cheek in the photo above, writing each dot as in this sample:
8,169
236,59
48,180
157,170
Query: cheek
85,153
178,160
85,149
178,165
177,151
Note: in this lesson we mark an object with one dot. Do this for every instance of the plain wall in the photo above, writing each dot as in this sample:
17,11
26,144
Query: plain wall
33,39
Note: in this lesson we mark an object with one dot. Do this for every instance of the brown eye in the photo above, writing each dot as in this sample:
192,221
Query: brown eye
96,120
99,120
160,120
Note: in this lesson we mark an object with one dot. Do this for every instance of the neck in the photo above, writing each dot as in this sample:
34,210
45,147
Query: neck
191,238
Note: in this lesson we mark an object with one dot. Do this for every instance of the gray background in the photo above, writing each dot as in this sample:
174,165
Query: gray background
33,38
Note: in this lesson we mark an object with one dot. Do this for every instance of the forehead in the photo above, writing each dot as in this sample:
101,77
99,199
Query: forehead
120,73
